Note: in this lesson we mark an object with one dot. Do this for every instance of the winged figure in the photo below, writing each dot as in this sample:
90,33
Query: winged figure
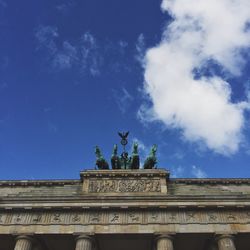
123,135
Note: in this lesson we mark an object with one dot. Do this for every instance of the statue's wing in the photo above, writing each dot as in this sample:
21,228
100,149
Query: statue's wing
126,134
120,134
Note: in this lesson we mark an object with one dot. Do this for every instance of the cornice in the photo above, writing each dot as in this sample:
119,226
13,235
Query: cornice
48,183
124,173
212,181
10,183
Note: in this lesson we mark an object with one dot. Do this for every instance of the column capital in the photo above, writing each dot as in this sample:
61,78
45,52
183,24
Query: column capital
84,236
169,236
24,237
225,235
24,242
225,241
84,242
164,241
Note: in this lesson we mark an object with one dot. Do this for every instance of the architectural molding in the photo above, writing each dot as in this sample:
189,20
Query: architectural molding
127,217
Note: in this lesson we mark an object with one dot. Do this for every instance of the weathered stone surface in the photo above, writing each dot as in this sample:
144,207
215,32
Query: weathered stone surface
130,201
84,242
23,243
164,242
121,216
110,182
225,242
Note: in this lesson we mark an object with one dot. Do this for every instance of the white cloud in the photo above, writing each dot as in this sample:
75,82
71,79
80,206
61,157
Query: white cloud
91,59
63,55
177,172
198,172
65,8
202,31
247,89
60,57
86,54
65,58
123,45
140,49
179,155
46,36
123,99
188,171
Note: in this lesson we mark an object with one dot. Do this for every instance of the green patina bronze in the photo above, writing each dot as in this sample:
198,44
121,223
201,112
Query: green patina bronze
135,159
115,159
125,161
101,163
151,160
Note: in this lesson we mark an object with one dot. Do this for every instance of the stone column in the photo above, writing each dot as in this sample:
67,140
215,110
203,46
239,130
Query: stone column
23,243
225,242
164,242
84,242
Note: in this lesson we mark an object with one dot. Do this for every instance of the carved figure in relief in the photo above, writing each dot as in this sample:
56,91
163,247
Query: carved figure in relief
93,187
231,217
101,163
95,217
76,218
173,216
212,216
247,215
156,186
124,185
115,218
37,218
190,216
18,218
154,216
108,186
151,160
57,217
134,217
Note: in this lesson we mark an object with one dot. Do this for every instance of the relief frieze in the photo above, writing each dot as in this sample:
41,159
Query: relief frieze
125,217
124,185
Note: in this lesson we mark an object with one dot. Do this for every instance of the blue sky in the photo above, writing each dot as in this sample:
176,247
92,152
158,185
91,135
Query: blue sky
73,73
